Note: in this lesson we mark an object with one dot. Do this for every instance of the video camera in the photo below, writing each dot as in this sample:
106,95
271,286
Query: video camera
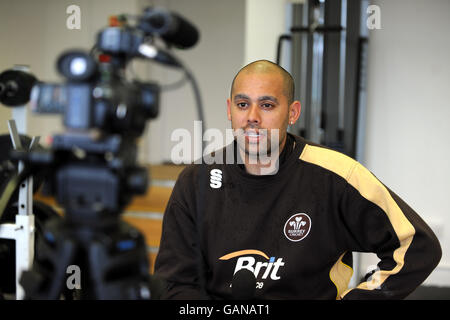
96,95
91,168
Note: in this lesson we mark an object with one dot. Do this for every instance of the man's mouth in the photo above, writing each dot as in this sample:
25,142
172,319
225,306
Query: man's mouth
253,135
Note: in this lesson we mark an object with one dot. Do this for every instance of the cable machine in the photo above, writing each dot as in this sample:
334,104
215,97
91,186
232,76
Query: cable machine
328,62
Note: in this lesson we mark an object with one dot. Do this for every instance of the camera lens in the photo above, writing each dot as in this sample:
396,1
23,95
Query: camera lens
78,66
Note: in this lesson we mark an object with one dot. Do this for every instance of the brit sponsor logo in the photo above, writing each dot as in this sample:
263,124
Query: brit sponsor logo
268,268
297,227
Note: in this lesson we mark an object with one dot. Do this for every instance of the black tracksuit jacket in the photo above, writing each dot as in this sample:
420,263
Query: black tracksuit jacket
295,230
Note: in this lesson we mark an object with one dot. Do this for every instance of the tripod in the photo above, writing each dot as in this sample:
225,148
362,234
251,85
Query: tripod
93,180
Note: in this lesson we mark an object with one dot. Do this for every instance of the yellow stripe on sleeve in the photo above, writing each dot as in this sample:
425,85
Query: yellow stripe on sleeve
373,190
340,274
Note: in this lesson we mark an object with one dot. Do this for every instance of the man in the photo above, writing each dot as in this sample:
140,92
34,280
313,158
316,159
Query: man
295,225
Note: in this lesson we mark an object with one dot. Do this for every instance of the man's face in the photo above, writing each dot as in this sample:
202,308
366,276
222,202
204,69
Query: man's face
258,102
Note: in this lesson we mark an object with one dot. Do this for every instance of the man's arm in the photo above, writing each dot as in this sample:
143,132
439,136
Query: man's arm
178,259
379,221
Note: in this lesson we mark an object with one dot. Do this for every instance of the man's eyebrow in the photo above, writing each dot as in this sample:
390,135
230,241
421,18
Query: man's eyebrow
270,98
241,96
262,98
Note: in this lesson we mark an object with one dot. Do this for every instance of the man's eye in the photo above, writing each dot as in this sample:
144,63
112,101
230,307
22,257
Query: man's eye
267,105
242,104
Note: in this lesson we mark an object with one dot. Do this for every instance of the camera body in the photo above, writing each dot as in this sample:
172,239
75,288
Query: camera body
96,95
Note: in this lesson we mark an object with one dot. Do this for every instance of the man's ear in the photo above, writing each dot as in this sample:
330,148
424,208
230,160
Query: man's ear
229,109
294,111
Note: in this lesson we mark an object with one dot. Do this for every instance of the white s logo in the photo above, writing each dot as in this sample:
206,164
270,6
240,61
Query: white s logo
216,178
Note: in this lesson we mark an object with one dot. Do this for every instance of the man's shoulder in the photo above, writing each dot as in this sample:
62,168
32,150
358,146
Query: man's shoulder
188,174
328,158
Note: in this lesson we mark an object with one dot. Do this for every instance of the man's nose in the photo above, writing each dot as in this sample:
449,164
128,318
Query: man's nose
253,114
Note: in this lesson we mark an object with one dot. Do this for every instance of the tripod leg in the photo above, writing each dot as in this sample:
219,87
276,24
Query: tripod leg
119,265
55,252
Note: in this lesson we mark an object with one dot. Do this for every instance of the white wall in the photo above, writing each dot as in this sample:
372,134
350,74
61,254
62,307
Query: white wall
5,115
408,111
265,21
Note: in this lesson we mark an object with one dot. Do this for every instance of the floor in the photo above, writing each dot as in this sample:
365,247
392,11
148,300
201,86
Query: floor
430,293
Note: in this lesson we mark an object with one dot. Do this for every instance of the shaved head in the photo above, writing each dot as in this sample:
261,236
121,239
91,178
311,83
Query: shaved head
265,66
261,107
